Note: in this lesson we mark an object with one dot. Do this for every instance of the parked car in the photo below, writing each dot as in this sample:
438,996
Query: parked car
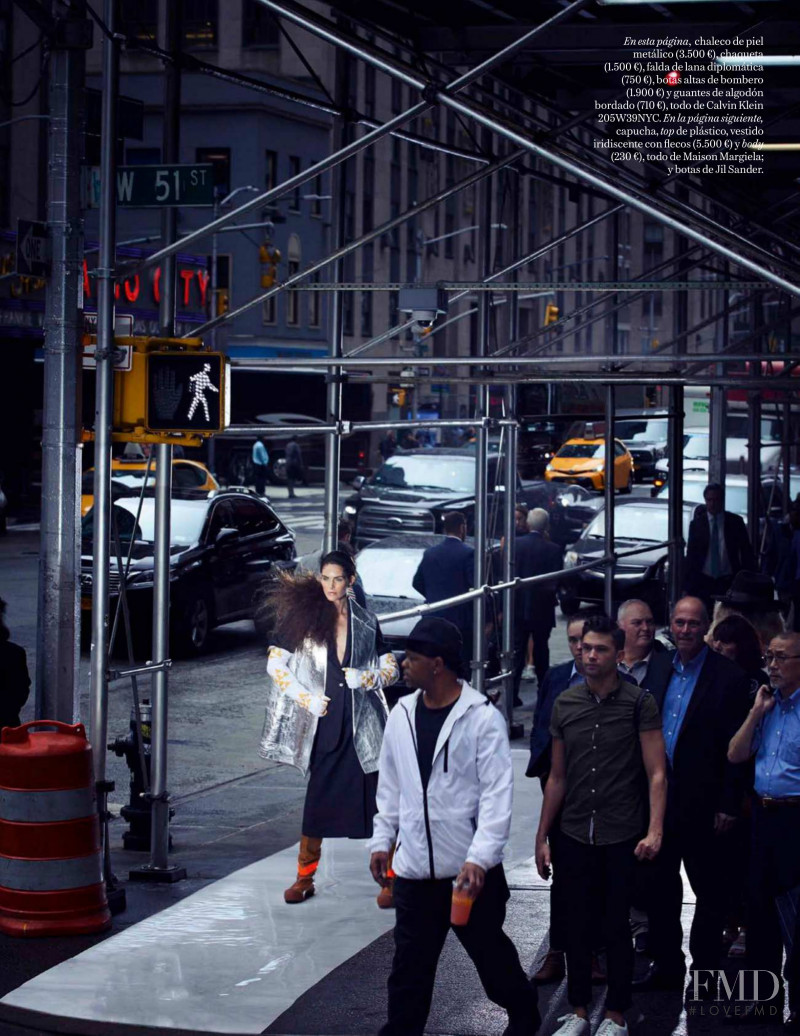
772,500
582,461
413,491
637,523
234,454
647,441
696,447
191,480
387,568
222,550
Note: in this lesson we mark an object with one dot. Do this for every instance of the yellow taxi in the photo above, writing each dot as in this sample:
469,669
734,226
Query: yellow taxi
582,462
190,479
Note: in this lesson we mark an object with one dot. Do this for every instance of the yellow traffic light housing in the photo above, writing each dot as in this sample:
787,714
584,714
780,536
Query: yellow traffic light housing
550,314
269,256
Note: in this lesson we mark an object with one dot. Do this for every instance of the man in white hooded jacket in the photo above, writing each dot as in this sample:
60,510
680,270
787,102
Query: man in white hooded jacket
444,798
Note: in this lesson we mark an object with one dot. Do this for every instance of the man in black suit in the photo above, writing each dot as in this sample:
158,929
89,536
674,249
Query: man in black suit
645,659
718,547
536,605
447,570
703,701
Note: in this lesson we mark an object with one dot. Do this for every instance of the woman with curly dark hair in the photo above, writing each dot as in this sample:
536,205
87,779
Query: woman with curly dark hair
325,706
737,639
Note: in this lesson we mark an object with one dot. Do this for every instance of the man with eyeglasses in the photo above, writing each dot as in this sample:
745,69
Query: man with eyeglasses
645,657
702,702
771,732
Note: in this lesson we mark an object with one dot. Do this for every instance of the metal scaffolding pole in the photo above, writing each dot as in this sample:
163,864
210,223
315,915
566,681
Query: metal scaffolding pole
481,348
58,629
324,30
104,396
608,493
717,415
333,443
753,462
159,868
507,657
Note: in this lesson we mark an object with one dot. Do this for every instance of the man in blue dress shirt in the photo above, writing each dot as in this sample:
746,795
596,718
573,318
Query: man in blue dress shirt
771,732
703,699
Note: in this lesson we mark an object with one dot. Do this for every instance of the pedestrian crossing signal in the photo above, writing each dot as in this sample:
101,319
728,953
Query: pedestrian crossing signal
187,392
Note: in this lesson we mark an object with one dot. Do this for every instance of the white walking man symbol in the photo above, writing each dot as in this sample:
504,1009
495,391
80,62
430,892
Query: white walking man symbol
200,382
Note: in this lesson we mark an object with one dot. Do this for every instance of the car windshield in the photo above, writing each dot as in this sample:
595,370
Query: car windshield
641,431
645,524
388,573
414,470
695,447
186,523
736,428
583,449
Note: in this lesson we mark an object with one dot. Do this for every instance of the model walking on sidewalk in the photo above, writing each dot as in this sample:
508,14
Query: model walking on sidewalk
325,706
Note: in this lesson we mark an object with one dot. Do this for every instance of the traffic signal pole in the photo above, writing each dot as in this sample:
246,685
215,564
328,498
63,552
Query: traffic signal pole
104,394
159,868
58,631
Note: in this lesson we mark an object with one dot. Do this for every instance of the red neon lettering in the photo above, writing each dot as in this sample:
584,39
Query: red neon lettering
116,292
186,277
202,280
132,293
87,284
157,284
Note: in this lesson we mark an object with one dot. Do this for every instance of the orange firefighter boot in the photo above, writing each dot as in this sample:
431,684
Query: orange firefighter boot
307,863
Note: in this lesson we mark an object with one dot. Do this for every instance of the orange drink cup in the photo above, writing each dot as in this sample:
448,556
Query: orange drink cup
461,905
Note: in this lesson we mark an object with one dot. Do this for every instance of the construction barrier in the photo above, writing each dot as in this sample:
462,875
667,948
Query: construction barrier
51,867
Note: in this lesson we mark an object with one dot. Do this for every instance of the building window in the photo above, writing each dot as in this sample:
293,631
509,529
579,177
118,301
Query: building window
260,27
369,92
223,288
220,158
397,96
315,305
368,194
367,274
200,23
142,155
292,267
270,169
318,196
294,170
270,311
139,19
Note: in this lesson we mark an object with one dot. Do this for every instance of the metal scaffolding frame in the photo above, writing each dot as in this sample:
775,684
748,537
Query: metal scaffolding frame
672,367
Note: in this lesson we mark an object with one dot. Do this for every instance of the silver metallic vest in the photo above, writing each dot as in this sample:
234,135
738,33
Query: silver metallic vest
289,729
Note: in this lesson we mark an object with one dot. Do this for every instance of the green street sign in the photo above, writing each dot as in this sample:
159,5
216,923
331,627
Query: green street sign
158,186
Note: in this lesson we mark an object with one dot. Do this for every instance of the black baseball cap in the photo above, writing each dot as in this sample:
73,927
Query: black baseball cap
438,638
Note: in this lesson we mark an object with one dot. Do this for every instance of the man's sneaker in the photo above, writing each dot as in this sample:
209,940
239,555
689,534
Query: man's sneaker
528,673
609,1027
572,1025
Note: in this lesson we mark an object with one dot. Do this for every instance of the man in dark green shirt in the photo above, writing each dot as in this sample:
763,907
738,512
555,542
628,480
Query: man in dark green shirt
606,735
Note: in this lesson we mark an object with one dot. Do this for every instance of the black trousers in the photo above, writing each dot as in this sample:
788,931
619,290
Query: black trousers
559,904
540,631
598,879
774,868
701,852
260,478
423,919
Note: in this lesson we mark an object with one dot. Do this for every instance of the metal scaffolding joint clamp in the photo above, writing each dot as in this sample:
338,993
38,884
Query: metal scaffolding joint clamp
430,93
104,787
162,796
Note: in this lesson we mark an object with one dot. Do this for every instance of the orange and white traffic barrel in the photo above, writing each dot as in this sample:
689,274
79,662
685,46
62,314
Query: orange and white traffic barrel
51,866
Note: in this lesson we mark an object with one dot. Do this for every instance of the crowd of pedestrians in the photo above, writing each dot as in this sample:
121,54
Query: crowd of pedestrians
657,758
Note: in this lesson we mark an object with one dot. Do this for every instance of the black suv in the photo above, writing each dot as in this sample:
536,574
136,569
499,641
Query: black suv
646,439
222,551
413,491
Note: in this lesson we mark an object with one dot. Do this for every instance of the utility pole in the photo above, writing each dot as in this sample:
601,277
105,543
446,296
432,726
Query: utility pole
58,632
159,868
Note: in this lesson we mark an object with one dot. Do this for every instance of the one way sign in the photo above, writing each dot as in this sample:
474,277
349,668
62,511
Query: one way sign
32,252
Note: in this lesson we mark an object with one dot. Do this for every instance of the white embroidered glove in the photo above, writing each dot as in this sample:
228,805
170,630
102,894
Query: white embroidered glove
370,679
317,704
288,684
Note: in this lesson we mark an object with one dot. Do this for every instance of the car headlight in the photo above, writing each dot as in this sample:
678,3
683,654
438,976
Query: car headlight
570,559
349,509
144,578
549,467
